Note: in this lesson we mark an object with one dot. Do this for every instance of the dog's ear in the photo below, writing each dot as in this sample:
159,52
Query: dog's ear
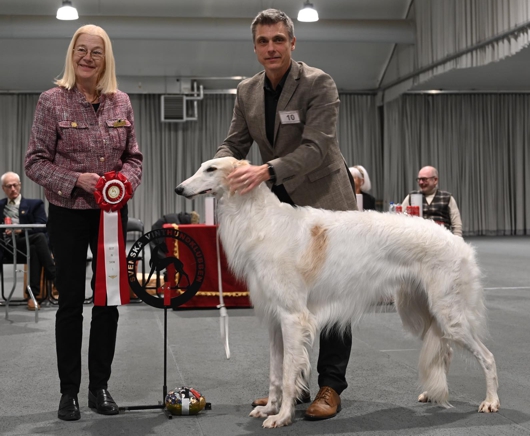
240,163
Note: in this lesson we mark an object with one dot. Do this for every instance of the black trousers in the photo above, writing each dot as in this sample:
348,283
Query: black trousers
333,358
335,348
72,232
40,256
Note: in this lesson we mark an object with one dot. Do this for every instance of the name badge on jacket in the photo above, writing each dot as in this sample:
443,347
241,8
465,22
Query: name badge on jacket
289,117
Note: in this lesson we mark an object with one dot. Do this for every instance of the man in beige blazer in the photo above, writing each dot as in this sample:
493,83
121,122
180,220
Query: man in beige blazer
290,110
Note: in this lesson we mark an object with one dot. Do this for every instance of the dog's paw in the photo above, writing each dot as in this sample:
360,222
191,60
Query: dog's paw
263,411
424,398
257,413
275,421
490,406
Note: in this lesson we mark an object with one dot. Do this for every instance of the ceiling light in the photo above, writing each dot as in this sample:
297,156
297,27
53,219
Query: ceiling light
308,13
67,11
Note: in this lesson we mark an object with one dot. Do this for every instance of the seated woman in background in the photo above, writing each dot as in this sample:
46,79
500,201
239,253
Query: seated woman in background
362,186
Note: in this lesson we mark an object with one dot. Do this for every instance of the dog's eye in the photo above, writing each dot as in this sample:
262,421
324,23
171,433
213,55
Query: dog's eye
210,169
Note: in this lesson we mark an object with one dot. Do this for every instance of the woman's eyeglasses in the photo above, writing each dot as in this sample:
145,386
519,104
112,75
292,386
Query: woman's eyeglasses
95,54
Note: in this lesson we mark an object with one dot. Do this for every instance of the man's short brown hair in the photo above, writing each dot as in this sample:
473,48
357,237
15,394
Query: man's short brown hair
272,16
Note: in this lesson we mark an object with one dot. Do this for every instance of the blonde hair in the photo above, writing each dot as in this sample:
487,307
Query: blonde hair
107,83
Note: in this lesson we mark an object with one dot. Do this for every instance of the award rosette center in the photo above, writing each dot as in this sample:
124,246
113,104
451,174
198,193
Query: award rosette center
113,190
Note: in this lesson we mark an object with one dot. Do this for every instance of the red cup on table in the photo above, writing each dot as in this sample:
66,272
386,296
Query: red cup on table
413,210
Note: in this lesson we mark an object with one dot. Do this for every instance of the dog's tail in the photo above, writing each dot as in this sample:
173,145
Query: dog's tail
435,357
309,329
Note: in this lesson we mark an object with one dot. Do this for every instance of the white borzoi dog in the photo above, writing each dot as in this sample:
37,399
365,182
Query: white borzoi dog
302,276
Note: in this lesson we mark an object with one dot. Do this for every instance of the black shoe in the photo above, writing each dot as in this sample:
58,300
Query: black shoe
102,401
69,408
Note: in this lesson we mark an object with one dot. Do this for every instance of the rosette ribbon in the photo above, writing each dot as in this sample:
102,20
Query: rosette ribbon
113,190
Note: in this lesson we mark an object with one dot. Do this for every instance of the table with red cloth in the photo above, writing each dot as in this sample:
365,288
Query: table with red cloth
235,293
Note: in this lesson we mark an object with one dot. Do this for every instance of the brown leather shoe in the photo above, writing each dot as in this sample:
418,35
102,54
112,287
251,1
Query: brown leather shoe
306,398
31,305
325,405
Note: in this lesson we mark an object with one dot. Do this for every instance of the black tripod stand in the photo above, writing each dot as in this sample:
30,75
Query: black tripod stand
161,404
159,264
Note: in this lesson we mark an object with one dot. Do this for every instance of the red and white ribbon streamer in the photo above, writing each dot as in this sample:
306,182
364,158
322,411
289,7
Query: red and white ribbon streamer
223,321
113,190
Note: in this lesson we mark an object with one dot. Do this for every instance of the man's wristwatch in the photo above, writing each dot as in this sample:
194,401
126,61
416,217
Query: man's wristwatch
272,173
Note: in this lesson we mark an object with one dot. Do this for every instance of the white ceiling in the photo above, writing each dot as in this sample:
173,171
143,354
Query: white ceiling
157,42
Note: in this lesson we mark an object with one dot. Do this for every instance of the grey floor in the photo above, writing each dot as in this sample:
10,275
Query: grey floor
381,398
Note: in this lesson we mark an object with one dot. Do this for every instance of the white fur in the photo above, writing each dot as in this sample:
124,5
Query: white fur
364,256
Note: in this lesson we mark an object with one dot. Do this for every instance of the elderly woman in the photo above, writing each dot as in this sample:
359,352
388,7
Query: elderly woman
362,186
82,129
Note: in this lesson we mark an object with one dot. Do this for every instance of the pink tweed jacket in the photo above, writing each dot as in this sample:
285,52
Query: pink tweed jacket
69,138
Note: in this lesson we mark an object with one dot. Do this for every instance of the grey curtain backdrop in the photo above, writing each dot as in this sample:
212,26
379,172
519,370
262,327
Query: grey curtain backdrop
16,117
478,143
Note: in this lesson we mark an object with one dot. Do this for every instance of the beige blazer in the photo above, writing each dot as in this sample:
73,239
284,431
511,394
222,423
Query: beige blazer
306,155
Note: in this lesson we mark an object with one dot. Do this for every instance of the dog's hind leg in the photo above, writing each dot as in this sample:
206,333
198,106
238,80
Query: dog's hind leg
484,356
297,332
275,376
435,358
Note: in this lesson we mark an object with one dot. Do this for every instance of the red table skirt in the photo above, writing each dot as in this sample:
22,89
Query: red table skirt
235,293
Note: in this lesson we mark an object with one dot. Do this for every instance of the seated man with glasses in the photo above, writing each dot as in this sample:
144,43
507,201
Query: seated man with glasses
25,211
438,205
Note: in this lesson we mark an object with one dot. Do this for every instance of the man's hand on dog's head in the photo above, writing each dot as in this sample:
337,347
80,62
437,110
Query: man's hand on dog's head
245,178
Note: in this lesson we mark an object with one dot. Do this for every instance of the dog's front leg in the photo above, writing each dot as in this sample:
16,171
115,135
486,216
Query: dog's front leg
275,375
295,363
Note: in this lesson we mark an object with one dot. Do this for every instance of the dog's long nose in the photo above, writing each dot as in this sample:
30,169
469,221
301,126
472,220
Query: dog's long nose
179,190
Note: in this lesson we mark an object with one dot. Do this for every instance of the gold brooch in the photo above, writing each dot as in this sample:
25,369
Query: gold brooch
120,123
